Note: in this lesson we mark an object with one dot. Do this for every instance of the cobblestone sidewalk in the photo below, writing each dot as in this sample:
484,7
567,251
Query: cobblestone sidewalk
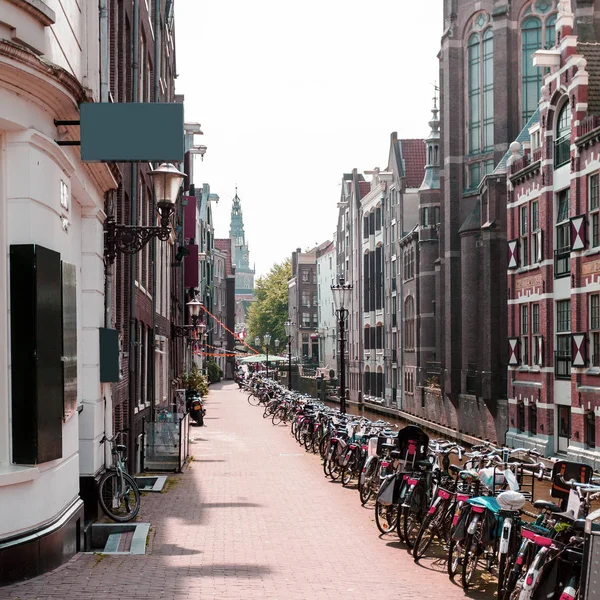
253,517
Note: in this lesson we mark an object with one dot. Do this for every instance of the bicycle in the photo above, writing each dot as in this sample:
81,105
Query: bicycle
118,492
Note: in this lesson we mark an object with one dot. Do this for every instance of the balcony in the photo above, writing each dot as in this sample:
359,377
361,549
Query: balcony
562,262
588,125
562,364
562,151
520,164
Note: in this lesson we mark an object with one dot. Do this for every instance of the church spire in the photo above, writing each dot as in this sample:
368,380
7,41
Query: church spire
432,166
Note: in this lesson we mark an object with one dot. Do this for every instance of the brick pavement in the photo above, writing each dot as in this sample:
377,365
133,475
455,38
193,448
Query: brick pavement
253,517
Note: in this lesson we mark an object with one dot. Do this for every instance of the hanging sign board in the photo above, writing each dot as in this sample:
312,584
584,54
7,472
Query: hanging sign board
132,132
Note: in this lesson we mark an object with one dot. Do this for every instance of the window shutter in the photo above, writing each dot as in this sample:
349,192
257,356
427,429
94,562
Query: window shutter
514,354
578,241
513,254
579,350
540,247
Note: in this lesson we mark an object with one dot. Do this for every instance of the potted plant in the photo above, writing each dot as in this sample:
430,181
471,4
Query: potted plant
193,380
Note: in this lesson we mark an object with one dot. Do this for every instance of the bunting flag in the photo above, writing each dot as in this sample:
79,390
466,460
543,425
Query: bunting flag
237,337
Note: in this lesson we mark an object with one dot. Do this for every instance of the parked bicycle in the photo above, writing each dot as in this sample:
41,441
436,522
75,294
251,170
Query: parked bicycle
118,492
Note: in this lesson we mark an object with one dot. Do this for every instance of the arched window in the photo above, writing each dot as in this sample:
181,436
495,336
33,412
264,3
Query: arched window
562,141
409,323
538,30
367,379
480,71
436,158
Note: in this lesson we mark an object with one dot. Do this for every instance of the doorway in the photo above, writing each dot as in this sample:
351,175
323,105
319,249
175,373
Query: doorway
563,428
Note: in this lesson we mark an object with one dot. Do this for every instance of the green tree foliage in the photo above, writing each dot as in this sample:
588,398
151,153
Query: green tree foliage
194,380
270,310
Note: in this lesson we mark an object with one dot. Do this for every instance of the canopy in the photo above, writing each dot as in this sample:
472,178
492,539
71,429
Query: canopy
260,358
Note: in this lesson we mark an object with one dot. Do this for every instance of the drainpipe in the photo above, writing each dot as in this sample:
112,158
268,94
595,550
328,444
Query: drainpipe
133,258
157,40
110,196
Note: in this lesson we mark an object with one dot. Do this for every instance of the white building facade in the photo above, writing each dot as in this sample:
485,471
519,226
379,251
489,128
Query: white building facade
51,282
327,323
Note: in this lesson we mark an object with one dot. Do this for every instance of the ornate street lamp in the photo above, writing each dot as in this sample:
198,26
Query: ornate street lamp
342,296
267,341
288,331
194,308
130,239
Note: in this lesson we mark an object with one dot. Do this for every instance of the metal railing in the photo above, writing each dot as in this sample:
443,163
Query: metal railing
166,441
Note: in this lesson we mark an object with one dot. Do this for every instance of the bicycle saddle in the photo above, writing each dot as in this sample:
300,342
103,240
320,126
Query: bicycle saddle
121,447
424,465
454,469
395,453
388,446
545,505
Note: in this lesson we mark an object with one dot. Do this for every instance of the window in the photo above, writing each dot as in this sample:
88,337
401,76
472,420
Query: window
535,232
366,227
590,430
562,367
305,319
532,419
305,298
594,312
521,417
378,219
305,275
562,262
305,346
594,212
315,320
474,175
535,334
314,275
537,31
524,334
409,263
562,143
409,324
524,231
315,300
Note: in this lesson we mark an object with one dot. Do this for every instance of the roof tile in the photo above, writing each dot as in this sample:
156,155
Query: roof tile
415,157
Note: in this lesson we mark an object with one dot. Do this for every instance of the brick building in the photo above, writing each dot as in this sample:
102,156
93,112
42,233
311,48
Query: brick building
554,294
142,69
227,285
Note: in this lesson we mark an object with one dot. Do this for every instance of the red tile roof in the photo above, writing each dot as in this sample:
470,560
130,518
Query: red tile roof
415,157
224,245
364,187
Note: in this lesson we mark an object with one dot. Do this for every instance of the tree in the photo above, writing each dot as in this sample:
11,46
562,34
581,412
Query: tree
269,312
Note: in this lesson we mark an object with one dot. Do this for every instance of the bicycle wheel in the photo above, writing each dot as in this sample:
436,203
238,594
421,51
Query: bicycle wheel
502,573
425,537
278,416
334,468
471,560
348,470
386,517
120,502
455,556
253,400
411,523
366,489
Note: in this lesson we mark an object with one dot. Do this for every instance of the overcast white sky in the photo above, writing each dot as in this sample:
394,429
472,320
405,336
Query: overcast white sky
291,95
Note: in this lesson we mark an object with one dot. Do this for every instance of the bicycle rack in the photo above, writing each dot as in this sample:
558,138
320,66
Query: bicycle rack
590,583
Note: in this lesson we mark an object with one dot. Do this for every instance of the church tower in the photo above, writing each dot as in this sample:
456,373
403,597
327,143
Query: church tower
244,274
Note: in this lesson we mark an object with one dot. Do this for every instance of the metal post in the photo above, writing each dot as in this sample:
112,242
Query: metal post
289,362
267,361
342,326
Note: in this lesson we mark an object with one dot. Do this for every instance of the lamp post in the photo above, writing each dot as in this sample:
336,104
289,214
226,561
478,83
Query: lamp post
130,239
342,294
257,345
277,352
267,341
288,331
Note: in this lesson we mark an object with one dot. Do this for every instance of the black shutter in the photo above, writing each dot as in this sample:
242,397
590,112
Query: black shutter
36,352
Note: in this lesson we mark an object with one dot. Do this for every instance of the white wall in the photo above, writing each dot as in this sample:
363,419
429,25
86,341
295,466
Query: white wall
326,273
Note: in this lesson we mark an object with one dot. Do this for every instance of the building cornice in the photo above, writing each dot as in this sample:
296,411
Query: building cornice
38,9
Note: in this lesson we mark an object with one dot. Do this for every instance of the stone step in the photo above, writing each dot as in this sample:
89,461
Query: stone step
112,543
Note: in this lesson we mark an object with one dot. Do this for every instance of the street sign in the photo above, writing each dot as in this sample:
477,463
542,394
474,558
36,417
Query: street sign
132,132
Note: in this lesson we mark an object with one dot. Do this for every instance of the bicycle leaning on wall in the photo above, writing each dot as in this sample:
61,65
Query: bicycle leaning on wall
118,492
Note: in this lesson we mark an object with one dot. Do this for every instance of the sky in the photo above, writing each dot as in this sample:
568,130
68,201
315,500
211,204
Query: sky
292,95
